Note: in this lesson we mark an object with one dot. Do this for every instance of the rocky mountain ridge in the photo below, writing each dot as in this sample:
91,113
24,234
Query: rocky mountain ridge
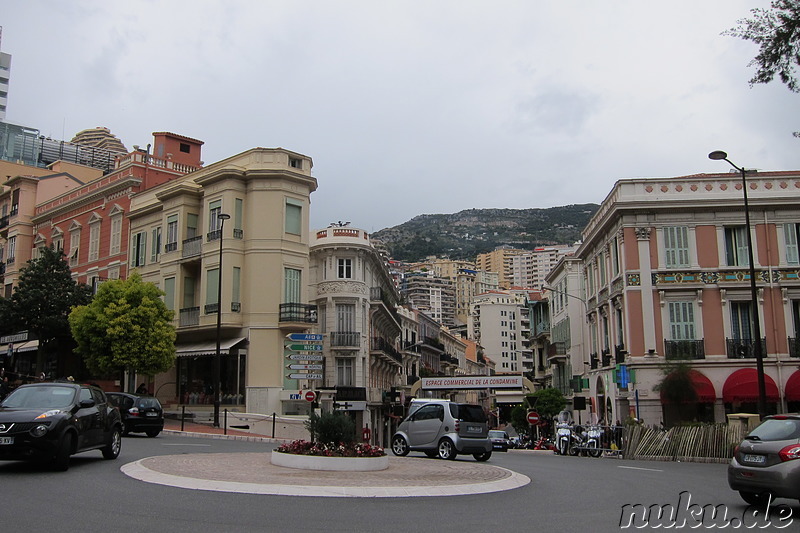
465,234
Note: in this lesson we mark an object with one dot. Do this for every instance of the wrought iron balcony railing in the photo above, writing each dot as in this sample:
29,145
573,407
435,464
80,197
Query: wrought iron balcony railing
295,312
744,348
345,338
794,347
684,349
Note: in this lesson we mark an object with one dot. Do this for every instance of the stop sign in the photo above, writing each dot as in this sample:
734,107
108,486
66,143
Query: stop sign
533,418
311,396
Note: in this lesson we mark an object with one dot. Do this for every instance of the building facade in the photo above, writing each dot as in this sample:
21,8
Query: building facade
667,281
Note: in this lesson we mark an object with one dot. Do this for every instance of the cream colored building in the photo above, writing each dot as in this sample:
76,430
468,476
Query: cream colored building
356,298
264,251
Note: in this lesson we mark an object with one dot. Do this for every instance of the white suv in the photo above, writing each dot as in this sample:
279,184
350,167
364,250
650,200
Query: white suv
445,429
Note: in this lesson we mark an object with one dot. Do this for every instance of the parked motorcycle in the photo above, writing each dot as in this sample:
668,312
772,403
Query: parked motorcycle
564,433
544,444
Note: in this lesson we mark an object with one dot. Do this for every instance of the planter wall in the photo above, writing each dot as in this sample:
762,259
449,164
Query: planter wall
339,464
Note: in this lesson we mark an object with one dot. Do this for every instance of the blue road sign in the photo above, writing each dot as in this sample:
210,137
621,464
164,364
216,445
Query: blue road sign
305,337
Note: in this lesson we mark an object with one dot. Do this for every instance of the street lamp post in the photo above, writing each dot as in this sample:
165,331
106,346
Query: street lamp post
222,217
762,394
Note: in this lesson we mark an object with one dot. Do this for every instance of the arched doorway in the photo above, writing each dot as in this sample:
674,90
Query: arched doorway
601,400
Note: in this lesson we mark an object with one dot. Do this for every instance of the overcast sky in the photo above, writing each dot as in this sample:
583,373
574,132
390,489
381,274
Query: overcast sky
412,107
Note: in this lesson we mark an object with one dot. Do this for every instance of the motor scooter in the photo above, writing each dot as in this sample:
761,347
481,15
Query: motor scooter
564,433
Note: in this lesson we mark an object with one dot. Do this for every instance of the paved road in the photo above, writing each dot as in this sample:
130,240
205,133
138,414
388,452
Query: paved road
566,494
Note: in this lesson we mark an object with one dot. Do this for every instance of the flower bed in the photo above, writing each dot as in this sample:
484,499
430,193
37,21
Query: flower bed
304,447
342,457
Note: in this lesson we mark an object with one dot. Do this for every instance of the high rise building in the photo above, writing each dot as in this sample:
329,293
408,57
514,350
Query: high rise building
5,76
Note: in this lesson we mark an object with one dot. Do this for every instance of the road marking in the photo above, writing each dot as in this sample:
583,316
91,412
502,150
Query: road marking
201,445
638,468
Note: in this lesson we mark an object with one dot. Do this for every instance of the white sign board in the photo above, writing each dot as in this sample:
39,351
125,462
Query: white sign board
473,382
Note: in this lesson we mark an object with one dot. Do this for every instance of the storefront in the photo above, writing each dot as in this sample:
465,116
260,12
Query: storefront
195,372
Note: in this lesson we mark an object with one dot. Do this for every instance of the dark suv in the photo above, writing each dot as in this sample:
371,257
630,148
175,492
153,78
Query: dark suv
140,414
52,421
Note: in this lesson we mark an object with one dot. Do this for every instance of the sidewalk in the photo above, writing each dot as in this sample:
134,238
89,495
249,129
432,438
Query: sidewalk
190,429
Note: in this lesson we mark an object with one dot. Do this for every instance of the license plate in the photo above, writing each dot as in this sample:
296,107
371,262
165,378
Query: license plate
755,459
152,414
473,429
6,440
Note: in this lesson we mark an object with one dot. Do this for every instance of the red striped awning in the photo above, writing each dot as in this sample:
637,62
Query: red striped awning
742,386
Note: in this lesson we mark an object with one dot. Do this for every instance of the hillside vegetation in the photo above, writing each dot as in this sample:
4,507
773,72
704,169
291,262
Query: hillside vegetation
465,234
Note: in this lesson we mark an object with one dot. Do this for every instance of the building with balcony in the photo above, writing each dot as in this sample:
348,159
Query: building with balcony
356,301
5,77
497,324
530,268
499,260
666,275
258,261
434,295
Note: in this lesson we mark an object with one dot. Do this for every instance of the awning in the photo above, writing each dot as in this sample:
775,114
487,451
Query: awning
207,348
20,347
792,390
742,386
702,386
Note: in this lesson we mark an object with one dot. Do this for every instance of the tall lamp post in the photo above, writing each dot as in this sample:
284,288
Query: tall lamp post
719,155
222,217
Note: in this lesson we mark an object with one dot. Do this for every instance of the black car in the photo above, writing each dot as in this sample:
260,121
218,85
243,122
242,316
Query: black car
140,414
53,421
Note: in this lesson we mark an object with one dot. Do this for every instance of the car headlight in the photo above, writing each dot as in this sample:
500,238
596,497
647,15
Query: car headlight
52,412
39,430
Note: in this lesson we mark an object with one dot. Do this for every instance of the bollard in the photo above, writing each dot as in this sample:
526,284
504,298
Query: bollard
273,425
183,415
225,423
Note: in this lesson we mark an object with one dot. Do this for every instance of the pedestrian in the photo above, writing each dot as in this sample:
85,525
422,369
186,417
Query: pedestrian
142,389
4,389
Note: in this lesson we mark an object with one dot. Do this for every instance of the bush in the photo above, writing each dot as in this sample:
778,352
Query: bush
331,428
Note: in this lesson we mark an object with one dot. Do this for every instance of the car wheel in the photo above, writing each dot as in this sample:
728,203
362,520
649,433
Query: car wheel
399,446
482,456
111,451
153,432
447,450
755,498
61,459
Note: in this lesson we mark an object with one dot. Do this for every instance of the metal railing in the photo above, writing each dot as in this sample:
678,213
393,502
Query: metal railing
189,316
296,312
192,247
345,338
684,349
744,348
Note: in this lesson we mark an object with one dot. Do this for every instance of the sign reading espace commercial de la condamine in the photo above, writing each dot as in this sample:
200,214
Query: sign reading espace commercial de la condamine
473,382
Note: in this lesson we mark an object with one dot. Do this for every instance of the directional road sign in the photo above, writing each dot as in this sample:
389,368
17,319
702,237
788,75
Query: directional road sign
304,367
304,376
306,357
305,347
316,337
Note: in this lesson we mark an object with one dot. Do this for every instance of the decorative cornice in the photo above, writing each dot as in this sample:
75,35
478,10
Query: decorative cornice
333,287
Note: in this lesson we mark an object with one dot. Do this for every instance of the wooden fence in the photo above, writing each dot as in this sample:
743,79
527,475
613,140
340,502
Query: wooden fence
712,443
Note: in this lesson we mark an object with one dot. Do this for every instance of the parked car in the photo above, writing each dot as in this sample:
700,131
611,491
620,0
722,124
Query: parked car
140,414
444,429
500,440
53,421
767,462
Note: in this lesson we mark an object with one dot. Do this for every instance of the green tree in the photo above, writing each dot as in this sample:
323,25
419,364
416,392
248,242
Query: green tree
331,428
777,33
547,402
126,327
42,300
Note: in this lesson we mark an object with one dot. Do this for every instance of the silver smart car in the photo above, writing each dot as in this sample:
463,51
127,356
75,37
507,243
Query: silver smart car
444,429
767,463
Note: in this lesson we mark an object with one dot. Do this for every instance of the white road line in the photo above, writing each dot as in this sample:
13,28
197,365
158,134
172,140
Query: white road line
637,468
